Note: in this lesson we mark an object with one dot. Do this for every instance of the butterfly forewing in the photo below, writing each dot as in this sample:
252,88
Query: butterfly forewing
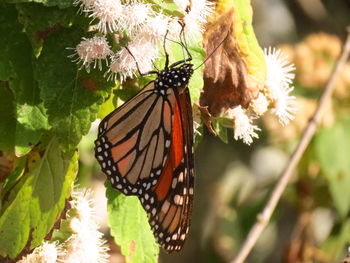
129,148
145,148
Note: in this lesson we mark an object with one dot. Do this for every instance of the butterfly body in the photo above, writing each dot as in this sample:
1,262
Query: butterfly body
145,147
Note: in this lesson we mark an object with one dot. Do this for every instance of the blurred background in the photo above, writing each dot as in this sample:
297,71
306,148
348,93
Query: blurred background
233,180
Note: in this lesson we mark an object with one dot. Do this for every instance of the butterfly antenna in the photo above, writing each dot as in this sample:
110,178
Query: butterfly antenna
154,65
137,65
183,41
165,52
216,48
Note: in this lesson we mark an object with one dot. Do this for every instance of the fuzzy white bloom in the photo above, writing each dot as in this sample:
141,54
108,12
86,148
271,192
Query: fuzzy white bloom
201,9
88,247
145,28
285,106
124,64
109,13
260,104
279,71
279,77
155,27
134,15
243,127
194,19
197,17
46,253
84,207
86,244
84,5
93,50
192,26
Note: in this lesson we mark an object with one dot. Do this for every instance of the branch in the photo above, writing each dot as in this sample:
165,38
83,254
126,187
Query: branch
264,217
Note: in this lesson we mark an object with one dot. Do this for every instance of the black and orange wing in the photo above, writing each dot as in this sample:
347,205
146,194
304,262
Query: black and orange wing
170,215
134,141
146,149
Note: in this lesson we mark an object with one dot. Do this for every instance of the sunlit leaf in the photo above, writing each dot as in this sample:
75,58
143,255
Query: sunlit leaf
72,97
130,229
37,201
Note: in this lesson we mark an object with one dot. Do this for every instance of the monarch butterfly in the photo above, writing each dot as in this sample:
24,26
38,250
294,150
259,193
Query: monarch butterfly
145,147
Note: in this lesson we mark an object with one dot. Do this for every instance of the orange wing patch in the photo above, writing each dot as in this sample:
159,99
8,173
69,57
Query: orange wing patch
177,137
162,187
120,150
174,159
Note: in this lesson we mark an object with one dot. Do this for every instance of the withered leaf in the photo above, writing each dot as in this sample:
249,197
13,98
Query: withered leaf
225,73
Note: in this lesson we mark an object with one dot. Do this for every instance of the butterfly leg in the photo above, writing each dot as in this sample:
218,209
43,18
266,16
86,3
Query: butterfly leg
137,65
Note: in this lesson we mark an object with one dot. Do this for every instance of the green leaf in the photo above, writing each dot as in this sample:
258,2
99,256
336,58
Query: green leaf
107,107
40,21
17,62
12,178
247,42
332,146
334,245
72,98
166,7
31,123
10,40
10,37
58,3
37,201
220,130
7,119
129,227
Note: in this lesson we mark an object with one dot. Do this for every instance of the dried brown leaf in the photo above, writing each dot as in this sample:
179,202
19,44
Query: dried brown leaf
225,73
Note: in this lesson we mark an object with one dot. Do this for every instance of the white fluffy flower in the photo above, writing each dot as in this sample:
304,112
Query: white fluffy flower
155,27
93,50
279,77
86,244
84,5
46,253
192,26
143,52
284,106
260,104
87,247
197,17
243,127
109,13
84,207
135,15
144,27
201,9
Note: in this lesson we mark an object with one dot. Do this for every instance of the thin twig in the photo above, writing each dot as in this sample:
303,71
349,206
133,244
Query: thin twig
264,217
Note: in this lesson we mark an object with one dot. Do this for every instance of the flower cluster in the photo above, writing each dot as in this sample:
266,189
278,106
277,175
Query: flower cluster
46,253
274,97
85,244
145,29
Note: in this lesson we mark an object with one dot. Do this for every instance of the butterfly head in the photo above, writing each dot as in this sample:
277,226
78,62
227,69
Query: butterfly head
175,76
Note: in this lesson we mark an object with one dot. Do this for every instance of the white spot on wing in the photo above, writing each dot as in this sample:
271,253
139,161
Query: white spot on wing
174,183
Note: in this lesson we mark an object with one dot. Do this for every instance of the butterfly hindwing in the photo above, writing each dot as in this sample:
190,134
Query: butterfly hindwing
170,216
